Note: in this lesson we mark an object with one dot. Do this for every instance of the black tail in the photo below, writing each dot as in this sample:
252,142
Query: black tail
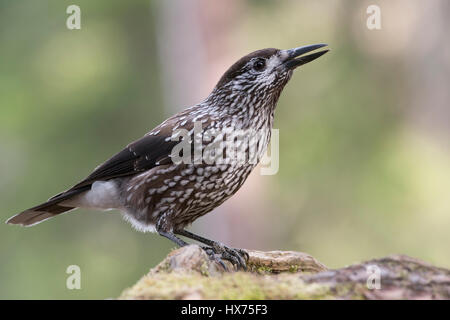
46,210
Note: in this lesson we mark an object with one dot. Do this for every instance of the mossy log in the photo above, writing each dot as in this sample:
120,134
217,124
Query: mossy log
188,273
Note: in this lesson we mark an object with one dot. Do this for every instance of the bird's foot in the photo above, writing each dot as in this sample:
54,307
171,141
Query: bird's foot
219,252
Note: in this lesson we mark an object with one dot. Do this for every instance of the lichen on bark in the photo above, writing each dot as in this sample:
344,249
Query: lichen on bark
188,273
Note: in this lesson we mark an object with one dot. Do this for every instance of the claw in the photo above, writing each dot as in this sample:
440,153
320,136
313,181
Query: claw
237,257
240,262
213,256
235,261
244,253
220,261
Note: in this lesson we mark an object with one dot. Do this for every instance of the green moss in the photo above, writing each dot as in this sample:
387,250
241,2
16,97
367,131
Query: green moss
164,266
191,275
293,268
262,269
204,269
238,285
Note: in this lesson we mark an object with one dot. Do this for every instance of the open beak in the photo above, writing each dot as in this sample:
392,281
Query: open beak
295,59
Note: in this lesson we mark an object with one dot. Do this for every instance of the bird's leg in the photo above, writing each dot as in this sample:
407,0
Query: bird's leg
171,236
162,231
237,257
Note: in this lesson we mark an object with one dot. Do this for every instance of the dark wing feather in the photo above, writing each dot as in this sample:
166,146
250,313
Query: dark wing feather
152,150
141,155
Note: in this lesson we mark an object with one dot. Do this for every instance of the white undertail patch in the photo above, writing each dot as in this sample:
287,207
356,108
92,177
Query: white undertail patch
103,195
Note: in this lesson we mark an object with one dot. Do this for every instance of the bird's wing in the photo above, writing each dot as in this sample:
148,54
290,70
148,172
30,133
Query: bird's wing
148,152
138,156
152,150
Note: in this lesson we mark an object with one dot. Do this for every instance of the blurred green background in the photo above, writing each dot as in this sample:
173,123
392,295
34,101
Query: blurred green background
364,131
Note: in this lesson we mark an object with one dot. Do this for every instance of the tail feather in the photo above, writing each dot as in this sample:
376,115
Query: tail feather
45,210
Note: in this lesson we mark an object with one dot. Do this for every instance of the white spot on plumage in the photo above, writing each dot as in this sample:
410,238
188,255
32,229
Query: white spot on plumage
162,189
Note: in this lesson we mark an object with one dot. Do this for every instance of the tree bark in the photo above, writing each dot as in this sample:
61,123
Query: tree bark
188,273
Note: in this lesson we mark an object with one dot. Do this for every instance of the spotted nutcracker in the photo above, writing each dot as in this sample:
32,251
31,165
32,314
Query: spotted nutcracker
156,193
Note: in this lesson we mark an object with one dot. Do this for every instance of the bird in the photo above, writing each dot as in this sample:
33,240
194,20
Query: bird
156,182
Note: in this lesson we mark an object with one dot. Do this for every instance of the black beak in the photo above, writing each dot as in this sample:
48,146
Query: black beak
294,59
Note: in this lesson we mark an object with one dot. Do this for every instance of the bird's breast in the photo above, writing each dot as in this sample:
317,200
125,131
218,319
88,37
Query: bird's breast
183,191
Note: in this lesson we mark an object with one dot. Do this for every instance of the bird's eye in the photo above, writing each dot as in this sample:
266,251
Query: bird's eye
259,64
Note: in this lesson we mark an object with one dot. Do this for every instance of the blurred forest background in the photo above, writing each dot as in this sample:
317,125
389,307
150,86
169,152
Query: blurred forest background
364,131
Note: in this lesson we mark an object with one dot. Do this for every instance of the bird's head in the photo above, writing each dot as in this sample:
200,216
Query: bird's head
266,71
